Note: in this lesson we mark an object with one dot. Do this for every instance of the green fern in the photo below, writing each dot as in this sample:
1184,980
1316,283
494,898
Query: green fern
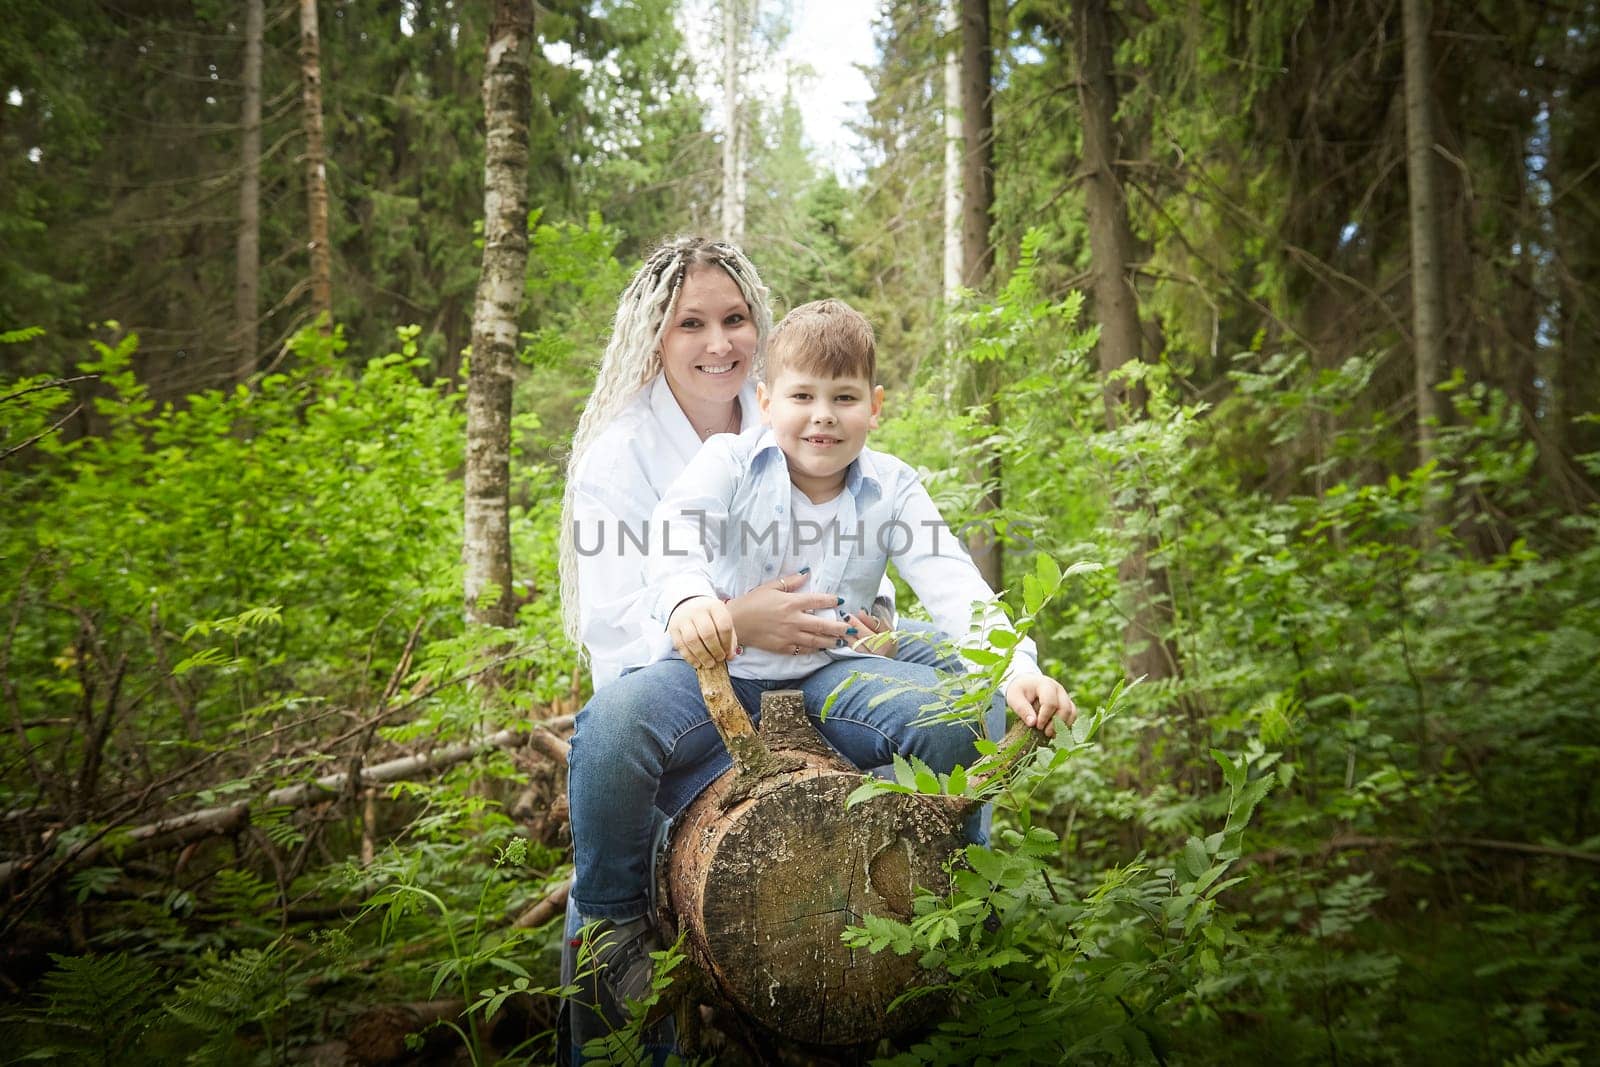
1565,1055
230,991
103,1003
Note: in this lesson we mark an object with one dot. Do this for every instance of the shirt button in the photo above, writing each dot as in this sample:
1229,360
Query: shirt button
780,509
769,568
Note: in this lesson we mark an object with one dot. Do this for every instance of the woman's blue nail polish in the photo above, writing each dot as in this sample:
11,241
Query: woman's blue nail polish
841,643
805,570
851,630
841,602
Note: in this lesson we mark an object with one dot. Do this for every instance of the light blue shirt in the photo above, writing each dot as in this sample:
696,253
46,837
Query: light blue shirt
726,526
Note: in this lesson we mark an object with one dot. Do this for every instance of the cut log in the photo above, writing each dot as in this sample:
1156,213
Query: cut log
767,868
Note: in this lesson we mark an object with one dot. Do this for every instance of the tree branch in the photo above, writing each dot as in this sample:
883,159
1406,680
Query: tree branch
210,822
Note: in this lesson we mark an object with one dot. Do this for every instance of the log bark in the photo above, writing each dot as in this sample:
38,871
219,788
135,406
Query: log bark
767,868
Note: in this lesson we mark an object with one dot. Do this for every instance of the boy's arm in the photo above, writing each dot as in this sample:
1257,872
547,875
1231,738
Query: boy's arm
936,566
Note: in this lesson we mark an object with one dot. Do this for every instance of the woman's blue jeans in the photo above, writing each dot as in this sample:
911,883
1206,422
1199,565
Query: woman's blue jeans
645,741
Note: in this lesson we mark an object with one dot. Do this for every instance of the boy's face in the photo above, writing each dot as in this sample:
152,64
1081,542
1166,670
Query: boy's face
821,424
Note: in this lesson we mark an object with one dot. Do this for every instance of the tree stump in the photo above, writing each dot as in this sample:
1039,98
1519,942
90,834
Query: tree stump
766,869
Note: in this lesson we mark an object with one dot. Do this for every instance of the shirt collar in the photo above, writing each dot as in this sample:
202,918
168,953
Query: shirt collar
862,474
680,432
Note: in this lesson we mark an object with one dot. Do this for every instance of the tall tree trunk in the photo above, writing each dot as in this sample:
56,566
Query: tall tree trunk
733,183
977,255
508,107
977,140
247,258
316,166
1574,234
1111,242
1112,253
1427,266
954,256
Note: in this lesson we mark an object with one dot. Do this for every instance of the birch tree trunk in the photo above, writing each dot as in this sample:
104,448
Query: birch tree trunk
316,166
977,254
1111,248
508,105
247,256
733,182
1427,267
954,257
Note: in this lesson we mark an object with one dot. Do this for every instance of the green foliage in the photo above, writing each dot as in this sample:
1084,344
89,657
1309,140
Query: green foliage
227,993
1044,967
237,582
1382,724
96,1007
1391,688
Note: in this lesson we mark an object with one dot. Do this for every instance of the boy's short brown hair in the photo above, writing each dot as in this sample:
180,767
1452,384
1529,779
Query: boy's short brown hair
825,337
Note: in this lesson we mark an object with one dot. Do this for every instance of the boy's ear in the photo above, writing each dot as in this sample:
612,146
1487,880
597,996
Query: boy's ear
764,402
877,406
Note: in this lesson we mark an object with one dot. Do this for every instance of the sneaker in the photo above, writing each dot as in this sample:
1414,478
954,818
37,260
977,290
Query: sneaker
619,970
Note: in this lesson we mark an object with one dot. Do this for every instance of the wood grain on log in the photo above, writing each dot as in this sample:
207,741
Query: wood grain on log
767,868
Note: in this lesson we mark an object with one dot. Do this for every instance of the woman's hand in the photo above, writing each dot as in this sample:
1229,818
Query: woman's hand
1040,702
777,618
702,630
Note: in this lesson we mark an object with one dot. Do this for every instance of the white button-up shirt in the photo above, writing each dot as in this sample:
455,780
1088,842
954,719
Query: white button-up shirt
617,483
726,525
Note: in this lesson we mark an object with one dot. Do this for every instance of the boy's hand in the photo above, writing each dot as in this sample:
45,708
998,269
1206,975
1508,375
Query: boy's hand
1040,702
877,635
702,630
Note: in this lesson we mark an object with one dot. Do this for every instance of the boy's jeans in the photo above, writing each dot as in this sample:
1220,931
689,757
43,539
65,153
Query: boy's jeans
645,739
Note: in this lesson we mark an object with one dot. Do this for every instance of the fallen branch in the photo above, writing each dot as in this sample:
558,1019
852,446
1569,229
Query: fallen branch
543,740
210,822
547,909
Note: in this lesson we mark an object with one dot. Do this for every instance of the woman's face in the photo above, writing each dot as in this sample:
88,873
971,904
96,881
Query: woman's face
709,343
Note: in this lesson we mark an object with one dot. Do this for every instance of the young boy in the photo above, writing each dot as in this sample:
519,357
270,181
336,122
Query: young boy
805,494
